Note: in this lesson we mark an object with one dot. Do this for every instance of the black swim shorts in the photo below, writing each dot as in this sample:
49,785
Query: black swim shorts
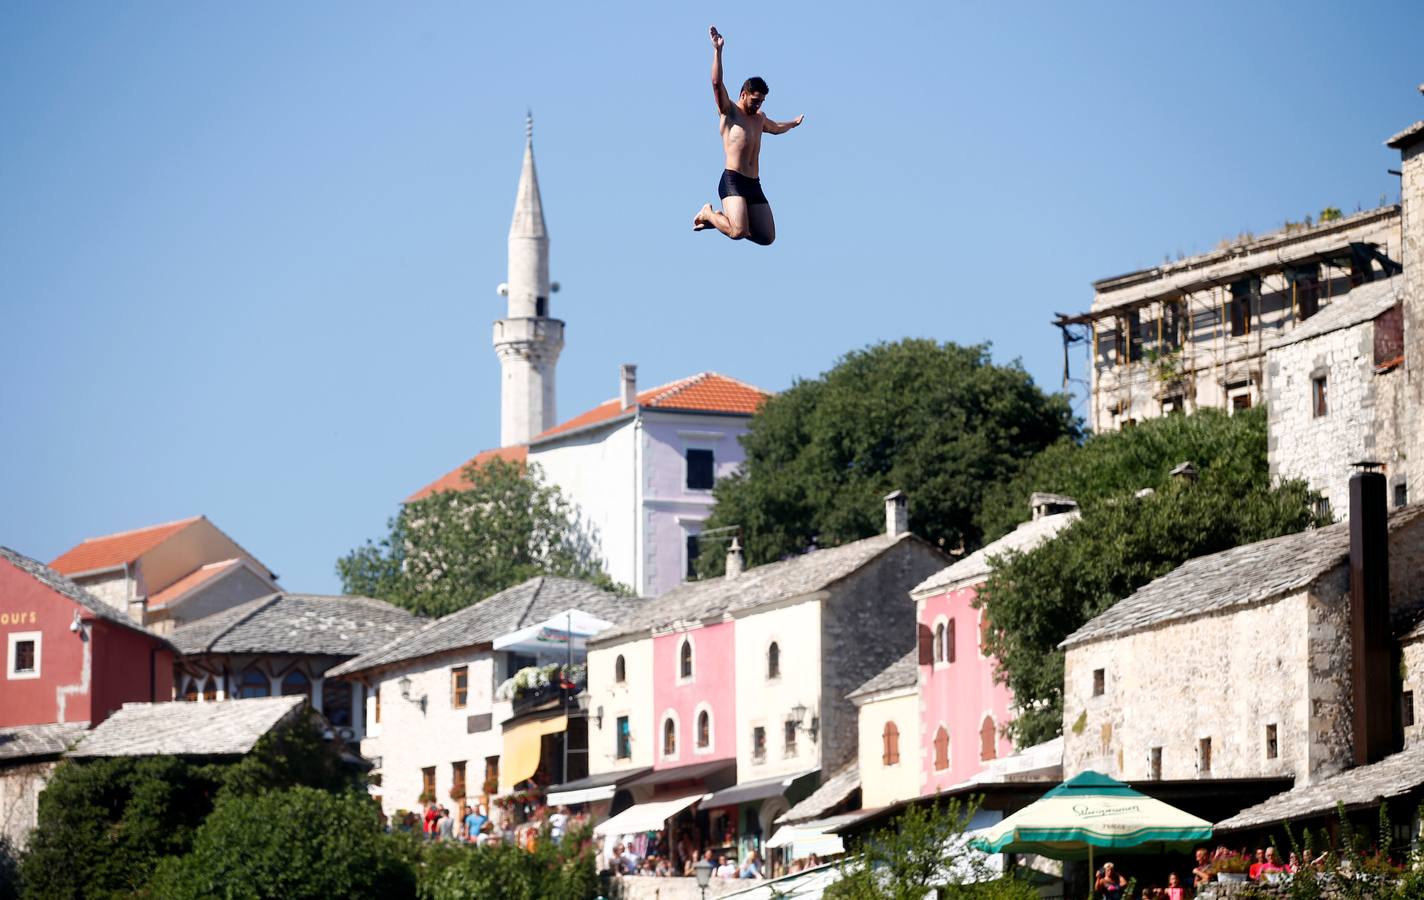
735,184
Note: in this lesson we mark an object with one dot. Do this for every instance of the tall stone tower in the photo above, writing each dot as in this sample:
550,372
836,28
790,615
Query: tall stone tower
527,341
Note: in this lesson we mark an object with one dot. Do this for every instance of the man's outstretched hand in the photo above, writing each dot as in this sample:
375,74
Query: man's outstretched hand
717,38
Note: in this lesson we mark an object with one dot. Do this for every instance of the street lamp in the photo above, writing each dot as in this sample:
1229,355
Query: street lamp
703,870
405,686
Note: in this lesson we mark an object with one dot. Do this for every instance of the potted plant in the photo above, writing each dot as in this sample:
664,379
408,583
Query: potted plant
491,786
1229,865
425,797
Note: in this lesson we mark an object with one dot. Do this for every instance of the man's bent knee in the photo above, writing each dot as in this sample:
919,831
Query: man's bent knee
737,232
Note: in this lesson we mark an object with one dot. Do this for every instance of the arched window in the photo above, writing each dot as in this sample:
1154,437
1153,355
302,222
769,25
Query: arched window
210,690
949,642
892,744
254,684
685,659
669,737
939,643
941,749
773,661
987,745
190,694
620,670
296,685
704,730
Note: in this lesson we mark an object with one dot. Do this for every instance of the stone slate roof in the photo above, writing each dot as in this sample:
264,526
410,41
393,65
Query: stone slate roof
57,582
902,673
178,728
832,792
975,567
298,623
1359,787
1241,576
509,610
1361,304
710,600
36,741
1406,137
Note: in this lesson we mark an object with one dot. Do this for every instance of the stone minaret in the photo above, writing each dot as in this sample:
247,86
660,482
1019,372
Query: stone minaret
527,341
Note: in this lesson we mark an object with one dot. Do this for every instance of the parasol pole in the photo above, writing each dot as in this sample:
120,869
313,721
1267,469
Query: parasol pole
1092,873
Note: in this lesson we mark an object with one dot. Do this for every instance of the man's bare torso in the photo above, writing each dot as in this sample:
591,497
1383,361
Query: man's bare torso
741,140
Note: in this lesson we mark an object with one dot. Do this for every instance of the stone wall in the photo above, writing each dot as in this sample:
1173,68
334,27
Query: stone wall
640,887
1412,201
1223,677
20,788
1362,418
868,623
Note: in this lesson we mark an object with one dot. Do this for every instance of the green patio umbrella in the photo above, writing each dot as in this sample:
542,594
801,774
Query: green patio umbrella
1091,811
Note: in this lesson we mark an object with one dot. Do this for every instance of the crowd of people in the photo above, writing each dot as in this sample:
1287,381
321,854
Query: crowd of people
622,860
473,825
1264,865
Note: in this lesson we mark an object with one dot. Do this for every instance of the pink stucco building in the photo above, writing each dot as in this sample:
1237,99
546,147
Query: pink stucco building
963,710
694,696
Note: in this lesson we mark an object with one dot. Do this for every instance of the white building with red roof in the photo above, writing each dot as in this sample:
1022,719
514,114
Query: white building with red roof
639,467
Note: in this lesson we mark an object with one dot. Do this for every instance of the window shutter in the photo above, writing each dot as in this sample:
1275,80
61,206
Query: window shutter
926,645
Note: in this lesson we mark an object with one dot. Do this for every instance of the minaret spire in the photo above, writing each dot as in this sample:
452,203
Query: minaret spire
527,341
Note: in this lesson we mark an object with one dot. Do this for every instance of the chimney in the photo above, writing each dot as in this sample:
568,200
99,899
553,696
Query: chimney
734,559
1044,504
897,513
1371,669
628,384
138,610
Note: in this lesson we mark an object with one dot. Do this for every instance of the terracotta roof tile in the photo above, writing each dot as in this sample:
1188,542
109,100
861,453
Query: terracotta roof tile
116,549
703,392
190,581
454,480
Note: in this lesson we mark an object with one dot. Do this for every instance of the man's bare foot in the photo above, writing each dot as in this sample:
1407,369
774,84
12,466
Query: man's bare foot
703,218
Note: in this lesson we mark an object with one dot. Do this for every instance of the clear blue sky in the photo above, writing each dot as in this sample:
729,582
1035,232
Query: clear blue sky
248,252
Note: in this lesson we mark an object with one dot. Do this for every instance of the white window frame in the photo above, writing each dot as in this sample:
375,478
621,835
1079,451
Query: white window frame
677,736
936,663
704,707
12,640
692,656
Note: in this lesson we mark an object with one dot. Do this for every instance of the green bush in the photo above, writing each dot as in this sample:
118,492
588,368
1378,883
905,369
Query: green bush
290,844
552,872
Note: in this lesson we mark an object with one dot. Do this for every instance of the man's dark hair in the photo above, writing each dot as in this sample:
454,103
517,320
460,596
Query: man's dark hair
755,85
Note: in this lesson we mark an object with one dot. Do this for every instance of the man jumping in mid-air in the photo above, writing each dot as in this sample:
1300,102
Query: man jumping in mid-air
745,210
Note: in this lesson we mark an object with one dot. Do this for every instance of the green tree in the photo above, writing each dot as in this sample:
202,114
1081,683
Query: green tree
105,824
923,849
938,421
289,844
562,871
1034,600
455,548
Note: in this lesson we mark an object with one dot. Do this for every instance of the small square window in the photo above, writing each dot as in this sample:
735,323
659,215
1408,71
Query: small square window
1322,509
790,731
1319,396
1406,708
1240,402
694,550
700,474
459,686
1401,493
23,656
1154,762
1203,757
758,744
1273,749
1099,682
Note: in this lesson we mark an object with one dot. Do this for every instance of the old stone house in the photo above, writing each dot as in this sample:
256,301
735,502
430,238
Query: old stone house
888,767
1249,663
433,720
1192,334
1335,394
282,645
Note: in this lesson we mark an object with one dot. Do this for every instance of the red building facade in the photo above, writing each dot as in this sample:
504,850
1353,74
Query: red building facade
68,657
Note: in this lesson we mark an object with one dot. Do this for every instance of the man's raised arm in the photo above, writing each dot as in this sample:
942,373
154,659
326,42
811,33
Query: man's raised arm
770,126
719,91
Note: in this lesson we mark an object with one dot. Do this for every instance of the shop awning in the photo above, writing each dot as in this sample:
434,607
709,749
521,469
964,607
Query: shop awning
554,633
595,787
693,772
810,834
522,746
651,816
752,791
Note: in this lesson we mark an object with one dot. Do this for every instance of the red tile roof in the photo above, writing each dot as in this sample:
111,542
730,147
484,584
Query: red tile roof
116,549
454,480
190,581
703,392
